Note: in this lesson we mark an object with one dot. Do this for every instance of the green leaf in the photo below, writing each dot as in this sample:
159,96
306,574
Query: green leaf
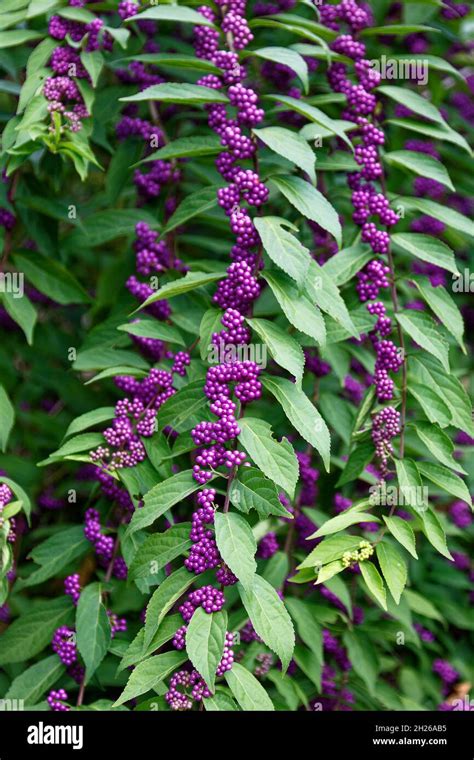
446,480
173,13
394,568
31,685
136,651
340,588
176,61
107,357
51,278
11,19
149,328
82,15
313,114
403,532
237,545
183,410
120,168
103,226
330,549
288,689
425,332
30,633
205,637
275,458
283,248
428,130
186,147
82,442
337,162
302,415
269,617
328,571
344,520
346,263
291,146
421,606
297,307
17,37
364,410
416,103
252,490
421,164
160,549
311,203
194,204
439,443
410,483
19,493
322,289
402,29
55,553
286,57
358,460
434,532
361,322
374,582
162,497
93,63
337,412
7,416
220,702
363,656
40,55
248,692
283,348
21,311
448,388
432,405
93,631
441,303
210,323
307,627
118,370
425,247
308,664
178,92
149,674
296,23
163,599
119,34
444,214
276,569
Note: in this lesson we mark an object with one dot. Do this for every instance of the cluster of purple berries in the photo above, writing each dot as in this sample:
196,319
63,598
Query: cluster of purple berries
104,549
7,219
204,554
211,600
6,495
61,90
64,644
72,587
385,427
244,185
134,418
219,380
194,690
56,699
371,206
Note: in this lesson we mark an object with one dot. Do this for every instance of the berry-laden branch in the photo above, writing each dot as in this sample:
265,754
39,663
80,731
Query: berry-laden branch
216,562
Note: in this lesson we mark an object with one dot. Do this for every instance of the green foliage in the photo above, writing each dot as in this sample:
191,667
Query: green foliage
322,530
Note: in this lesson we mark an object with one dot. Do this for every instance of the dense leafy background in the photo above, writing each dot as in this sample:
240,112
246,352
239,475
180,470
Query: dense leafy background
76,205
